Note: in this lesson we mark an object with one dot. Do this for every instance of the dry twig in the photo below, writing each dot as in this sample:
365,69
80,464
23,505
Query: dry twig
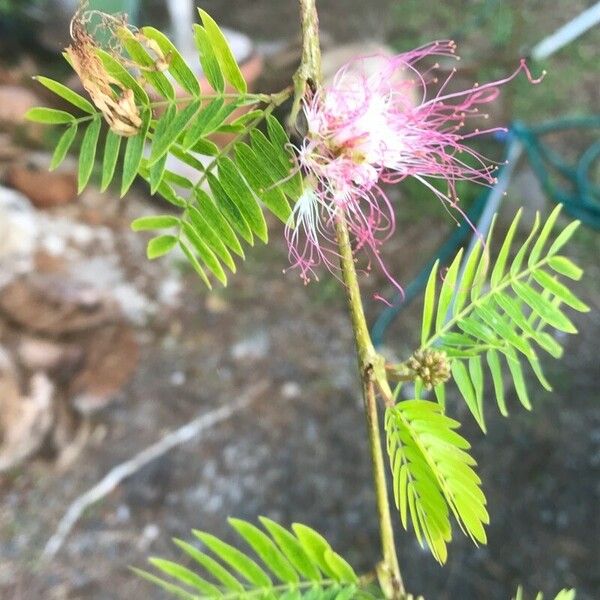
124,470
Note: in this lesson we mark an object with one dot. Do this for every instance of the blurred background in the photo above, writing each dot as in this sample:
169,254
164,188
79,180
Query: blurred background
102,353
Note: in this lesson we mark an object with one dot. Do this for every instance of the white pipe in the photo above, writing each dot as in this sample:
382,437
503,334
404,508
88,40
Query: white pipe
515,149
492,205
567,33
181,13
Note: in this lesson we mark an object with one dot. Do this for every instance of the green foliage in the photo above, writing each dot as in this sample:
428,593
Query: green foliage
67,94
49,116
433,475
487,320
225,203
499,311
87,153
111,157
63,145
285,564
222,53
497,315
562,595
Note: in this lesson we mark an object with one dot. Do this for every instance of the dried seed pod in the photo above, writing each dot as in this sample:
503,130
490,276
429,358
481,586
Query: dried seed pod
117,106
162,62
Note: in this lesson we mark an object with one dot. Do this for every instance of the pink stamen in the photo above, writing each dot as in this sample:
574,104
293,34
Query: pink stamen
369,126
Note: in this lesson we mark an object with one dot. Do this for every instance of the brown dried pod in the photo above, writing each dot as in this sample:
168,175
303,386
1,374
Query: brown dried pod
118,107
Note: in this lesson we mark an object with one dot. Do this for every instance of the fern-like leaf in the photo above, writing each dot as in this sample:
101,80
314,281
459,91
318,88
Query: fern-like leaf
566,594
284,563
252,172
433,475
498,315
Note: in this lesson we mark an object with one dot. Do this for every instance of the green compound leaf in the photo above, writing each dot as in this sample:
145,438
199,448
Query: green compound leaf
281,143
205,122
500,264
563,266
236,560
241,195
222,206
466,282
208,232
251,168
195,263
292,550
493,361
267,550
229,208
511,310
204,252
218,222
446,292
563,238
560,291
168,134
157,170
184,575
275,162
433,475
284,564
429,301
466,387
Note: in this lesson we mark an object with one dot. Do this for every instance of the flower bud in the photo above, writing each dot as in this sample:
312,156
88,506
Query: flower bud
430,366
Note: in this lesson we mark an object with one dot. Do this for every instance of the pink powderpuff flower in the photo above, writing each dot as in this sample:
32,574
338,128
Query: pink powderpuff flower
376,124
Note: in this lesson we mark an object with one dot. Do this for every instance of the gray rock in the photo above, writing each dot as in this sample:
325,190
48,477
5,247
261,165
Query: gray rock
19,229
254,347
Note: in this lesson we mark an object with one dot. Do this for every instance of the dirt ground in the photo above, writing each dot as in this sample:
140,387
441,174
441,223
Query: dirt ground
299,453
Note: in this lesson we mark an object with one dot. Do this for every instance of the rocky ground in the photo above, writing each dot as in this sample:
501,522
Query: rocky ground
102,353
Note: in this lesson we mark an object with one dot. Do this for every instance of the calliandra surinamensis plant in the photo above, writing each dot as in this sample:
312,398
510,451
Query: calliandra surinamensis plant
380,121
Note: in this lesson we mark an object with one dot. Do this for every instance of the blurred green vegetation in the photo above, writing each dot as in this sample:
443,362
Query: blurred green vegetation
12,7
493,34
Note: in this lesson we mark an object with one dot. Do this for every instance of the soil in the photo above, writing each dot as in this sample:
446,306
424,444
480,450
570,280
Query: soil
299,452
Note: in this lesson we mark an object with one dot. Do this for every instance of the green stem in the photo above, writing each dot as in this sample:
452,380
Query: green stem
371,365
372,373
272,100
308,76
249,127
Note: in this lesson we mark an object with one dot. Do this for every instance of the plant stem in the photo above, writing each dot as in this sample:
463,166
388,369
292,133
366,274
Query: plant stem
370,367
308,75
